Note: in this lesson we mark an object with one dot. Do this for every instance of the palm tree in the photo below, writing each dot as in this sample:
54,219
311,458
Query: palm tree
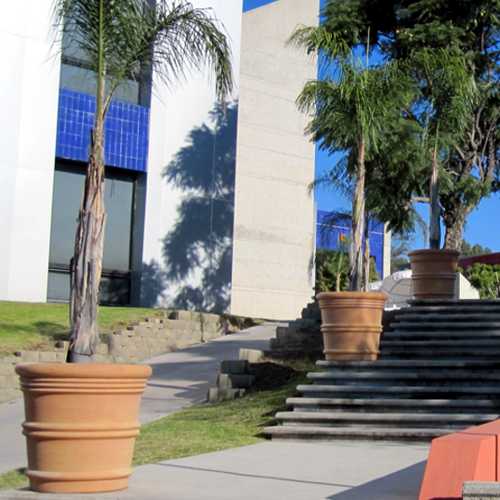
447,98
120,38
350,108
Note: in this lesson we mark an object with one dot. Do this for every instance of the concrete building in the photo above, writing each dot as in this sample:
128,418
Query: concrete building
208,208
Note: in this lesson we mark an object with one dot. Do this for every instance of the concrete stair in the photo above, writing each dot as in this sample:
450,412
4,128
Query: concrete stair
438,372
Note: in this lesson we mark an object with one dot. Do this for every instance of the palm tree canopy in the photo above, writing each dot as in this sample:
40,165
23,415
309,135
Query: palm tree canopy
357,105
173,38
448,92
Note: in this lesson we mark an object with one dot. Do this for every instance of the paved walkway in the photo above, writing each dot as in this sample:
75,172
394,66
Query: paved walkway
179,379
278,470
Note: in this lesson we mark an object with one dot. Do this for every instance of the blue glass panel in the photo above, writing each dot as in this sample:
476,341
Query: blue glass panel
125,131
332,231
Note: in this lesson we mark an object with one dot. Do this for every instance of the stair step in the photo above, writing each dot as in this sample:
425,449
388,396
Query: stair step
440,317
358,432
395,377
382,419
451,310
448,352
441,334
451,325
411,344
454,302
389,405
410,364
409,391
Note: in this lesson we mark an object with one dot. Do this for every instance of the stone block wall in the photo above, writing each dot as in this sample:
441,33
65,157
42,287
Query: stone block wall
138,341
9,381
301,337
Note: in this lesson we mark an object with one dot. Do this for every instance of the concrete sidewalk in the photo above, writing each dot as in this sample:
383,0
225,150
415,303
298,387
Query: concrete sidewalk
278,470
179,379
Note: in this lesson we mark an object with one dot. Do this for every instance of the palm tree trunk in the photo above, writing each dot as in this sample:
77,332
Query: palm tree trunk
86,265
358,224
338,276
434,222
366,255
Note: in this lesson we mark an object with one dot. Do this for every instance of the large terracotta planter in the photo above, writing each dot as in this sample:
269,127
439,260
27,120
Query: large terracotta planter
81,424
434,273
351,324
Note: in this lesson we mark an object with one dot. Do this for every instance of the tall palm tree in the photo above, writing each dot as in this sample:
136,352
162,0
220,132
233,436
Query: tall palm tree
120,38
447,96
350,108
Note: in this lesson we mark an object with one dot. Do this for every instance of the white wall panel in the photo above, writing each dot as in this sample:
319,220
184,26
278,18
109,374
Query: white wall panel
29,85
175,112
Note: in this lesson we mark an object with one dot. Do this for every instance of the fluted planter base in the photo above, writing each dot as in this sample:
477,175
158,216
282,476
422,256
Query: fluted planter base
81,424
351,324
434,273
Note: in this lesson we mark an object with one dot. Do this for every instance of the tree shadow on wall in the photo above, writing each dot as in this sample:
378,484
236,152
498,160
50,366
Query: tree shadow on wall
198,249
152,283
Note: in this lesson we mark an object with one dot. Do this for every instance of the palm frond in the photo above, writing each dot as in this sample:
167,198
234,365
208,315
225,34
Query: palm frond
172,38
318,39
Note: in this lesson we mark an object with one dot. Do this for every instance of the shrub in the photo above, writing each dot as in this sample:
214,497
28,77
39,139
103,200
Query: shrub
332,271
486,278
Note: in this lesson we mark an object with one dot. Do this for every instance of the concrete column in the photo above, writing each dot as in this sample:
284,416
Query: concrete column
273,252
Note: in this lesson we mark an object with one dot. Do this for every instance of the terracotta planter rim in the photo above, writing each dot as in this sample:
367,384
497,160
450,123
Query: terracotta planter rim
352,295
432,252
83,370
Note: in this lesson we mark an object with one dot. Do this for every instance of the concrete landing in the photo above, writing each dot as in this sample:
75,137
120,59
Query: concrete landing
278,470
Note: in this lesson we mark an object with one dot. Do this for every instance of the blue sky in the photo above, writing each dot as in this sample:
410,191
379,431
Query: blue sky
483,225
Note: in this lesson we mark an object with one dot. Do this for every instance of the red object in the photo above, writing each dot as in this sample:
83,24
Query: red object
489,258
469,455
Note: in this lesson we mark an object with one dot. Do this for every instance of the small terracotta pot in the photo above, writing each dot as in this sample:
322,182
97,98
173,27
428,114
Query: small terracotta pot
351,324
434,273
81,424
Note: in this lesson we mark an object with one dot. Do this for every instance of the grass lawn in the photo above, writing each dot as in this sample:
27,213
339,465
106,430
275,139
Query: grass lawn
31,326
203,428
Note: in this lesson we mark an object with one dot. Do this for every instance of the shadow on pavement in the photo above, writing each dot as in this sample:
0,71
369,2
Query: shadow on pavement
254,476
403,484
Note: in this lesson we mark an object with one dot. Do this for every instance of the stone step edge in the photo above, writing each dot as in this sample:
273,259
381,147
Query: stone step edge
394,402
407,363
398,389
393,417
380,434
399,375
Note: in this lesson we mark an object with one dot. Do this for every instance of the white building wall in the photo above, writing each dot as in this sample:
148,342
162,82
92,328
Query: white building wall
29,84
175,112
274,214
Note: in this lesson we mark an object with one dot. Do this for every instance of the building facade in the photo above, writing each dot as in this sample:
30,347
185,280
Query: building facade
208,205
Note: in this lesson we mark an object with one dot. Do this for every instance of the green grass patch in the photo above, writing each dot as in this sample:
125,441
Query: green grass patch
13,479
26,326
204,428
207,428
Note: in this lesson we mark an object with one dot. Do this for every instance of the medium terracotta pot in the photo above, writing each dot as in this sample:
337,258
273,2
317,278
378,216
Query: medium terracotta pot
351,324
81,424
434,273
